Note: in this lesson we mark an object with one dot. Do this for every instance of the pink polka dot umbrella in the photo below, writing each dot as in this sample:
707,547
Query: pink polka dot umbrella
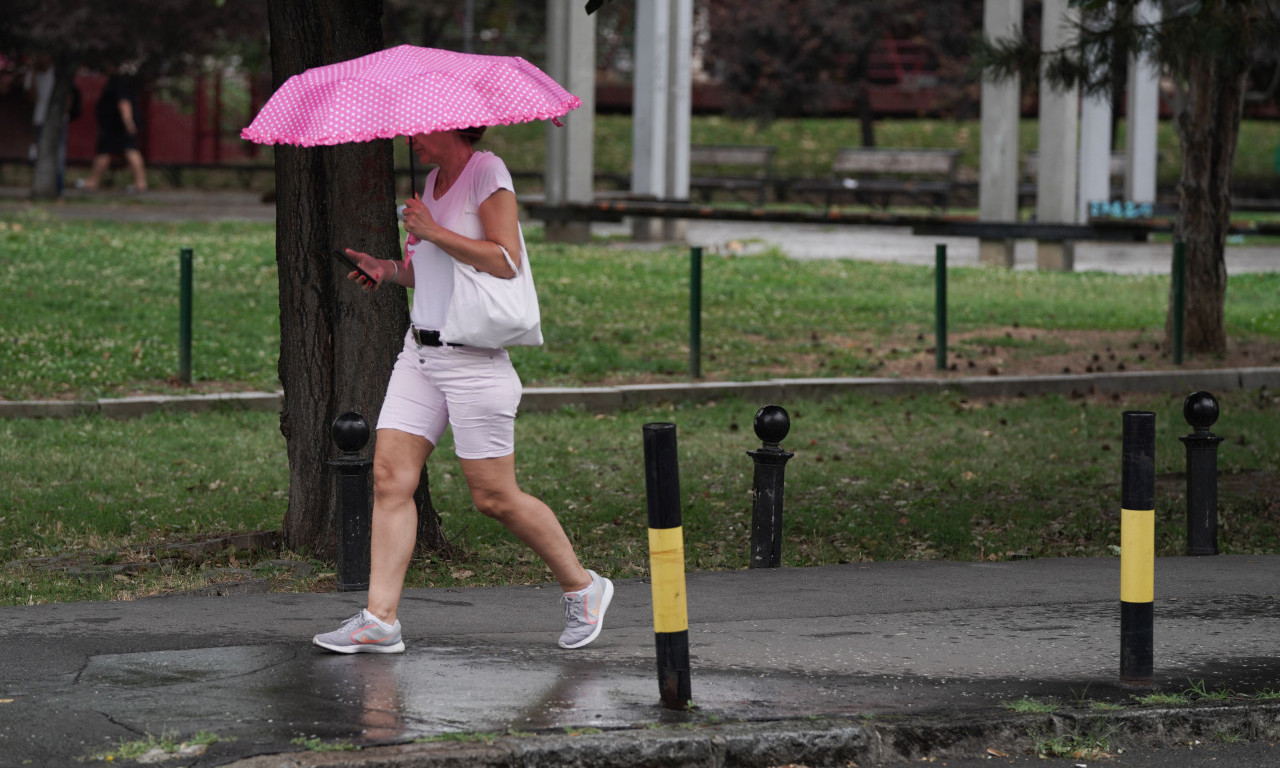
403,91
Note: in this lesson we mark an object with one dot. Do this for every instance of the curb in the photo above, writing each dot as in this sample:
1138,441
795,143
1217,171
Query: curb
865,741
611,399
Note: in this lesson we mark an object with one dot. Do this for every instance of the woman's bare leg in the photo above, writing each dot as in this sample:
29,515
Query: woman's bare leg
397,465
496,494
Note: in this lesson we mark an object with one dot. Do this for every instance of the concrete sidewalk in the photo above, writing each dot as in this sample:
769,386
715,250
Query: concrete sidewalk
864,663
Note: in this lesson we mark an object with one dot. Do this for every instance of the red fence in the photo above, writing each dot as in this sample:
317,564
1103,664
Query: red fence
197,129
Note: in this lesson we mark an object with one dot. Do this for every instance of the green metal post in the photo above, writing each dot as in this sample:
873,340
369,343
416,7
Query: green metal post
184,317
1179,297
695,313
941,304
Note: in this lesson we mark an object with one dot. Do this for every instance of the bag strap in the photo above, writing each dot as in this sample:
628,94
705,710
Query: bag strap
506,255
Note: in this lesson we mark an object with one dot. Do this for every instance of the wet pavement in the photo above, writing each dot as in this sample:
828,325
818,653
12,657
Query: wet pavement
871,663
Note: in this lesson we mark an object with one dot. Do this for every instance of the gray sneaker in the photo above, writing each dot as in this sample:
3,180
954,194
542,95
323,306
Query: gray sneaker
584,612
362,634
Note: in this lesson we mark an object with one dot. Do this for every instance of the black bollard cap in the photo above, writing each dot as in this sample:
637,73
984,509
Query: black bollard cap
350,431
772,424
1200,409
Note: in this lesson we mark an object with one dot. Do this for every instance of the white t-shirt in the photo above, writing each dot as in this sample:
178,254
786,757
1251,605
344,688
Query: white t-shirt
458,210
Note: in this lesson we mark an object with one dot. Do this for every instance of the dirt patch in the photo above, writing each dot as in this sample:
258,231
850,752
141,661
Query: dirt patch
1018,351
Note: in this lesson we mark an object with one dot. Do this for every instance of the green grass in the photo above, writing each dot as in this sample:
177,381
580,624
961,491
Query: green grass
1030,706
167,743
108,322
316,744
934,477
108,325
1080,746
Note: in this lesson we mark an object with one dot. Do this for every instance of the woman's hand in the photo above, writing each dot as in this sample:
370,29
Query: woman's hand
418,221
378,269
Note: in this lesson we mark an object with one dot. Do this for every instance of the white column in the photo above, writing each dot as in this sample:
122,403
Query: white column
571,61
1095,143
998,172
1059,126
1143,115
649,103
679,110
1095,153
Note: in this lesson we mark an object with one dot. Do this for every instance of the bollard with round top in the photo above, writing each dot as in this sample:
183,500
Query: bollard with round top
772,423
350,432
1200,409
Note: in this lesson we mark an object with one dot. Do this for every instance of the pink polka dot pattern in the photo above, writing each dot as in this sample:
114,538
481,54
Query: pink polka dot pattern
406,90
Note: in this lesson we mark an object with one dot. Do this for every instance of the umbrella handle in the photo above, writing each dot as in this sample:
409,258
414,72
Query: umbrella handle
413,174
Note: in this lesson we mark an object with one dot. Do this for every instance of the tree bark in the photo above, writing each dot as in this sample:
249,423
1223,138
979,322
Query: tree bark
1209,126
337,343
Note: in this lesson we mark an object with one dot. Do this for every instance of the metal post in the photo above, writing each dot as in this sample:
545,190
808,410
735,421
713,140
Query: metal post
1179,297
1201,410
184,315
1137,547
666,564
695,313
351,431
940,255
771,424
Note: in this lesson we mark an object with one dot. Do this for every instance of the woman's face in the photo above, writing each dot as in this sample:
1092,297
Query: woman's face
428,146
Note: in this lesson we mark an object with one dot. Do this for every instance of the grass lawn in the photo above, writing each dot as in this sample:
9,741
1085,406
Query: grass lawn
937,477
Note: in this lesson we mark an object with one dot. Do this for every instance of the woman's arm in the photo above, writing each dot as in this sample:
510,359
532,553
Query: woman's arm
499,215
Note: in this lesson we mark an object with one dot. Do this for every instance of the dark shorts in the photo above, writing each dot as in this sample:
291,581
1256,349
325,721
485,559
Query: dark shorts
116,143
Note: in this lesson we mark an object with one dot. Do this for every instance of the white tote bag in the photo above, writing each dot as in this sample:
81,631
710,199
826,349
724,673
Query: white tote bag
489,311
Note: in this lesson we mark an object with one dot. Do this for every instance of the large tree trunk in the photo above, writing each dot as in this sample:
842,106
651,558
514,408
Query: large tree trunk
1209,126
337,343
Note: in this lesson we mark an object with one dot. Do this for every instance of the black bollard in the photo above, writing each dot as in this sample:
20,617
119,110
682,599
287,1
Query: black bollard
1137,548
1201,410
771,424
351,431
666,564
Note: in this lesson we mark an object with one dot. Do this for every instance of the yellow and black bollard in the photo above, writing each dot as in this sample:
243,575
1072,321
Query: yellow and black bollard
1137,547
666,564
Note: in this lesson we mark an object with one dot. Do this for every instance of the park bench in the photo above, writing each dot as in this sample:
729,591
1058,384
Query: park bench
876,176
732,168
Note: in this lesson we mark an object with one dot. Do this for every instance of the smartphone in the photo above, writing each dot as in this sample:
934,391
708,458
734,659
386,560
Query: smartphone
351,263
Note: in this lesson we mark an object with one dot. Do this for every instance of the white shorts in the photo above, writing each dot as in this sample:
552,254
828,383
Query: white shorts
472,389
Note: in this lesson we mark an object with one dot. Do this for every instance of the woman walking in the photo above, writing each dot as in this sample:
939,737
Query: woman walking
467,213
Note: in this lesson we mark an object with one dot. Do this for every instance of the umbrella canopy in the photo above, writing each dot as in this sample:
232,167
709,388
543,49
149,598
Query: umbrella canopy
403,91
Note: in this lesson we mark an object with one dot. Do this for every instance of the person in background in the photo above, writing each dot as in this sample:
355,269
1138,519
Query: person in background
38,84
467,213
117,132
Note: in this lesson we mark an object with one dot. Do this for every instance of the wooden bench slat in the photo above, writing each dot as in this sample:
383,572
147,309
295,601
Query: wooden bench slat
726,167
872,160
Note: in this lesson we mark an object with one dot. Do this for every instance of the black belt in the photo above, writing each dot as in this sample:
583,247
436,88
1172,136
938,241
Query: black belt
427,338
